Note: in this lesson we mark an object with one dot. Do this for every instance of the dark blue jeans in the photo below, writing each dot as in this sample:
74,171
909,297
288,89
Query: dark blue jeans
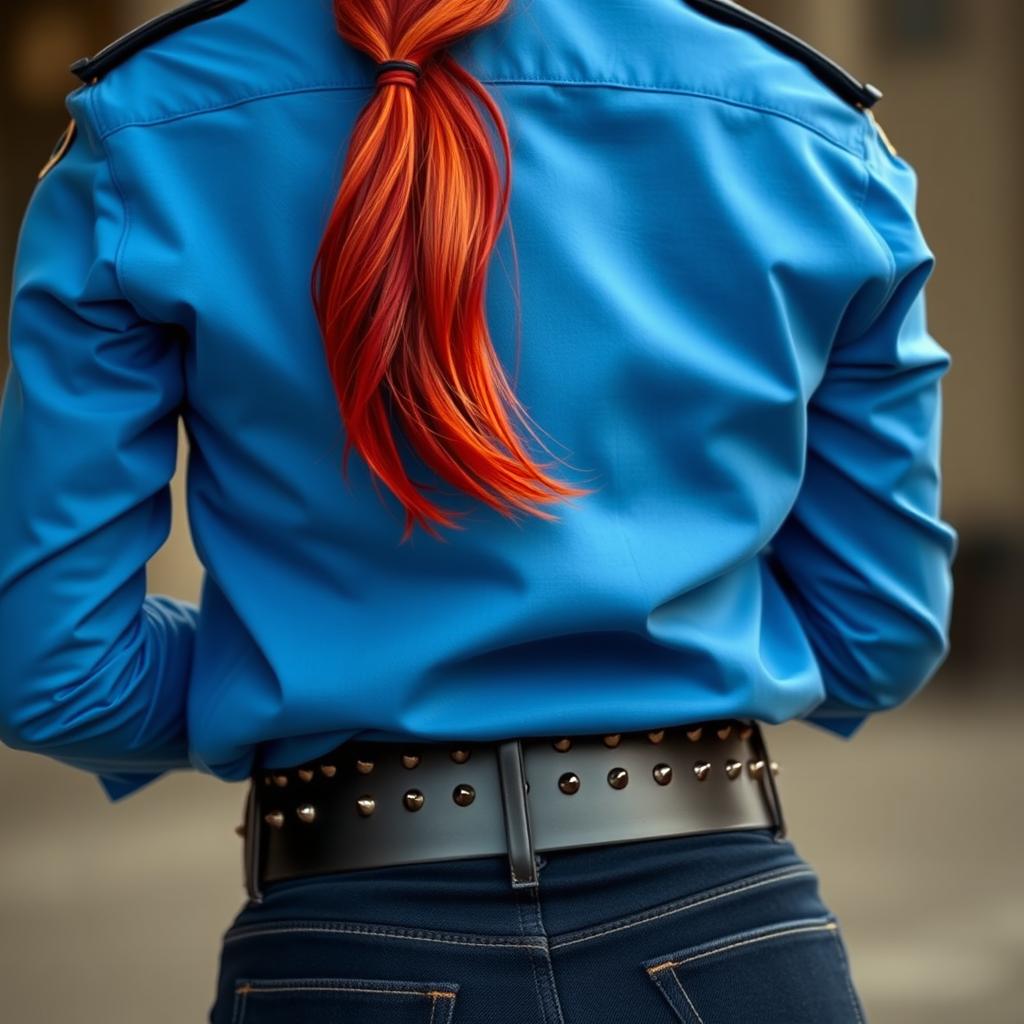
720,928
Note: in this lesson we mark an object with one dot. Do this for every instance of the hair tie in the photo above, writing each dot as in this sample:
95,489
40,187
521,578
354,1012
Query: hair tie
401,72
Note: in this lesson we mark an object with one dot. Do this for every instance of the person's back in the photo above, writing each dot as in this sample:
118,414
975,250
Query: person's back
717,271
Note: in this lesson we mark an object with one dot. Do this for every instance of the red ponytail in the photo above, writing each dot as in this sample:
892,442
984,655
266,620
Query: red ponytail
399,280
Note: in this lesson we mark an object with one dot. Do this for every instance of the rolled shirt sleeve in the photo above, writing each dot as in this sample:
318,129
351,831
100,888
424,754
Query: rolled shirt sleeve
865,555
93,670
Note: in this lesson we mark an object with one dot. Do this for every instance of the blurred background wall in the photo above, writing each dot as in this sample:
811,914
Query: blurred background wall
125,904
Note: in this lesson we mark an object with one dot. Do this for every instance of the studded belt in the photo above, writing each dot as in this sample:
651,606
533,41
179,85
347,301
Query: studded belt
376,804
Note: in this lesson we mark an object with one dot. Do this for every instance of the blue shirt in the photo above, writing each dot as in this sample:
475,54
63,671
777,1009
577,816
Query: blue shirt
723,333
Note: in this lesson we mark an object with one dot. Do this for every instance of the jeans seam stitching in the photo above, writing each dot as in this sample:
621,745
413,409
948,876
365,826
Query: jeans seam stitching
671,965
238,1010
846,976
689,902
382,989
686,996
446,1014
327,926
554,1001
532,959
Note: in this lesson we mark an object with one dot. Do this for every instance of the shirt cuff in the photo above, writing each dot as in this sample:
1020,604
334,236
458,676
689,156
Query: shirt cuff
123,784
841,725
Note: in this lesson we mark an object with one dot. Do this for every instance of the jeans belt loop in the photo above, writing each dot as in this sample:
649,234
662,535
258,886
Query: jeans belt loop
768,776
251,849
521,856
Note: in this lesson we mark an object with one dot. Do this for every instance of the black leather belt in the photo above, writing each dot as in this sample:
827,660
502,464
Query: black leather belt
375,804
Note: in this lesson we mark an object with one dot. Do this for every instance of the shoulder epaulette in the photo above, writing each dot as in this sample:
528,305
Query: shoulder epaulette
839,80
91,68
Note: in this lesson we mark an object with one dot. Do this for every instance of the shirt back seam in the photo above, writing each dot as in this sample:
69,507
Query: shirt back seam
692,92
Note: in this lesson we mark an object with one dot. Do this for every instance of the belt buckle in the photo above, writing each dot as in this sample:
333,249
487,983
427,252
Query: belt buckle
516,809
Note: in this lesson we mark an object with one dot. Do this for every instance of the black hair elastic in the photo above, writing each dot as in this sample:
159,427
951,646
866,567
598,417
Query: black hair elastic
399,65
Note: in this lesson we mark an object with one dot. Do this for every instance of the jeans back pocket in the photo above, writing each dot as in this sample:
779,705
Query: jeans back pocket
332,1000
795,972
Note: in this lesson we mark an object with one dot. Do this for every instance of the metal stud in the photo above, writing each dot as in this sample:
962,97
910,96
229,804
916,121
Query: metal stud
329,770
275,819
306,774
563,744
410,760
774,767
413,800
613,740
618,778
733,768
745,732
306,813
662,774
569,783
280,780
756,768
366,805
460,756
364,767
463,795
657,736
694,734
723,732
701,769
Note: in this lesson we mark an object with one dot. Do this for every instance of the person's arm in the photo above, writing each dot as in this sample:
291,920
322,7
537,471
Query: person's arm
864,555
93,671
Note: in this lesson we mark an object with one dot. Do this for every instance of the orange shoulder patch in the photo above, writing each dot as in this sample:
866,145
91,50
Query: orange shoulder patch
62,146
881,133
